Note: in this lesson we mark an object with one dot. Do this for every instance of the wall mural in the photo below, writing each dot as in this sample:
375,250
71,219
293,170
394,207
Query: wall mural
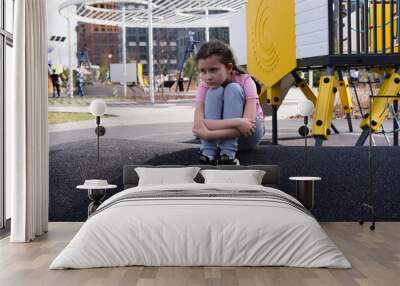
103,115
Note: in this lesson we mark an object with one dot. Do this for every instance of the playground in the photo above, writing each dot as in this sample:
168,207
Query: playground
322,85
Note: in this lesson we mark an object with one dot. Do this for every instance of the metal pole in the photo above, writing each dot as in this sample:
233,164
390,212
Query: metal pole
274,125
151,59
124,45
71,75
395,123
207,28
98,137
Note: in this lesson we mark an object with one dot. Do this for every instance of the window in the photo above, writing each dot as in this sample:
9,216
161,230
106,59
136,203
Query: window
9,12
6,43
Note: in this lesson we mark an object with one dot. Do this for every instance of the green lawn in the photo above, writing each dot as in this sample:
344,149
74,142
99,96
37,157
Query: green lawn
86,100
62,117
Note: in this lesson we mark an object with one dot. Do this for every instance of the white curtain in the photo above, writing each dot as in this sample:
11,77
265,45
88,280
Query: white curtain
27,149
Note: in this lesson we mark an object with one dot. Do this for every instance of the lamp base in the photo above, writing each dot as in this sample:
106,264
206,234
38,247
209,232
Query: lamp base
100,130
304,131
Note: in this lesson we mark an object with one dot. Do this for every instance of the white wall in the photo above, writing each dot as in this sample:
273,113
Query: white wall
57,25
238,36
312,30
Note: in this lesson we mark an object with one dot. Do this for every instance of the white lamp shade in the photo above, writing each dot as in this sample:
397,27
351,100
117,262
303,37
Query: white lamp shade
306,108
98,107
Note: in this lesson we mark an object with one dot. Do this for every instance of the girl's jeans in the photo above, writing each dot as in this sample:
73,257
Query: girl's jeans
228,103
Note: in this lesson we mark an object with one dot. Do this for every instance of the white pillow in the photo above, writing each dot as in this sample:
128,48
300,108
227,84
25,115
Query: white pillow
249,177
166,176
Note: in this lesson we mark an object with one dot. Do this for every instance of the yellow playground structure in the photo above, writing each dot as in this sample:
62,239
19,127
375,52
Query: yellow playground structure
142,80
286,37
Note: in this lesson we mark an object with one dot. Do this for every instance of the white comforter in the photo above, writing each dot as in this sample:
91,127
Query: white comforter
205,231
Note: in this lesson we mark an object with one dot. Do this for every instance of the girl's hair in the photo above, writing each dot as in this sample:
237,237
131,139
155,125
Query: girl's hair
220,49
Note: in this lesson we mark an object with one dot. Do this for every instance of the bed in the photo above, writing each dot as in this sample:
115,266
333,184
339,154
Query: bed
201,224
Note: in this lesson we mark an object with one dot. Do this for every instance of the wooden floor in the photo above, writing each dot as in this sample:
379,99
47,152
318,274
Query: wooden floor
375,257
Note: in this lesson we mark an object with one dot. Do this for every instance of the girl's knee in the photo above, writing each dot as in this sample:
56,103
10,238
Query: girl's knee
215,92
234,94
234,87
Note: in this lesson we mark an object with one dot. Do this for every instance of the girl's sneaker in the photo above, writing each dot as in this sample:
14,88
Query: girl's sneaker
225,160
207,160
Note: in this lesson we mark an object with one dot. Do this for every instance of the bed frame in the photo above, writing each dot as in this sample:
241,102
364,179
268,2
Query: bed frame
270,179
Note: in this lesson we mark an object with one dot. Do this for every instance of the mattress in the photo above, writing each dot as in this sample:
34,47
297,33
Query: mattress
201,225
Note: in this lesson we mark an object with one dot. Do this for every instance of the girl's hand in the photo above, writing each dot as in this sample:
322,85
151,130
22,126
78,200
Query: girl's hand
200,130
246,126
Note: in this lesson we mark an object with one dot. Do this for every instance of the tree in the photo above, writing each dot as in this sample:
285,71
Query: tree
162,54
104,66
190,70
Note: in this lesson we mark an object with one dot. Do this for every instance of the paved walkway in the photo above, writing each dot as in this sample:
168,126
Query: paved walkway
172,122
177,111
130,115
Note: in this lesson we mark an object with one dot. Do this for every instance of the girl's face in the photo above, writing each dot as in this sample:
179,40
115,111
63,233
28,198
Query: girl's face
213,72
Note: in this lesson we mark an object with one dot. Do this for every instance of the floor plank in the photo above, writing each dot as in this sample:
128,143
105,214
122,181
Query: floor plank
375,257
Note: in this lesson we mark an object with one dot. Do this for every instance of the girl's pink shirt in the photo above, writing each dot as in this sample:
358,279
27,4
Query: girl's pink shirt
248,86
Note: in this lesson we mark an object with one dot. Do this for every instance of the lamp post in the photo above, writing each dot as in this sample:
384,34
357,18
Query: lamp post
98,108
306,109
109,66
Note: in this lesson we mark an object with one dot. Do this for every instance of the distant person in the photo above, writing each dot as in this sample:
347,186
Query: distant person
354,75
83,56
55,80
228,116
180,85
79,83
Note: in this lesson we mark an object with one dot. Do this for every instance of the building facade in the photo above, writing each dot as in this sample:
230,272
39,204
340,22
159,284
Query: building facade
170,46
98,44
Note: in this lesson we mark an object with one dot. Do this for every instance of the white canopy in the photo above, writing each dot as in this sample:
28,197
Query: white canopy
165,13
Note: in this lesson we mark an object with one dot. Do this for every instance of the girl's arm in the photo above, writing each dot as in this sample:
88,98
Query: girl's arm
223,134
250,109
218,124
203,133
198,115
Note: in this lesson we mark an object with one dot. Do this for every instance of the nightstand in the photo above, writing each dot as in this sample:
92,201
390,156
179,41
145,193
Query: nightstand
305,187
96,194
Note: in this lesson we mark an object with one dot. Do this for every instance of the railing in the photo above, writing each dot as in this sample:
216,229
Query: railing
364,27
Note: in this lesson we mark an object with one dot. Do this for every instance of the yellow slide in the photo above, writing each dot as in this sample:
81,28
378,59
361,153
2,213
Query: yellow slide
142,81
